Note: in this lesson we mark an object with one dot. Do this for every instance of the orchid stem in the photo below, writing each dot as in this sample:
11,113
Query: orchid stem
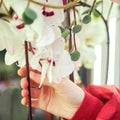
28,78
68,22
70,4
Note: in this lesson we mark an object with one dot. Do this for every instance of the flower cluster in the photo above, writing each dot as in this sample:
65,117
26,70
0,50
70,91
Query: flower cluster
60,39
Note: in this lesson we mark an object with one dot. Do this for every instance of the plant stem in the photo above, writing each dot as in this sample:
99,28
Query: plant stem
70,4
109,11
28,78
92,7
68,23
75,24
108,36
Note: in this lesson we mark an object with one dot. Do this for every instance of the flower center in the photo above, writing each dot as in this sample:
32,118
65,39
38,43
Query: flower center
19,25
46,12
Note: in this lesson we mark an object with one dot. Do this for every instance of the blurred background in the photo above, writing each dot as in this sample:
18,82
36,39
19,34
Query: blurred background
10,96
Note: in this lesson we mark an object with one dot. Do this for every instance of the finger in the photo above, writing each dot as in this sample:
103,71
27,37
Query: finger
22,71
24,101
24,92
24,83
34,102
35,92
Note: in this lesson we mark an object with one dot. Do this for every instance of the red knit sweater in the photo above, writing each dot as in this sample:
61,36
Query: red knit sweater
100,103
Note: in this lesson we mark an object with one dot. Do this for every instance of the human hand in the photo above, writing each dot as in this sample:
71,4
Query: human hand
61,99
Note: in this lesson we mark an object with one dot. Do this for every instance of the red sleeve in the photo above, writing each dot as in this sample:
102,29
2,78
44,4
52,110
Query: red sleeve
89,108
100,103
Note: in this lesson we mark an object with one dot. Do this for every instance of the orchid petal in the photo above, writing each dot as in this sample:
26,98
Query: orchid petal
9,38
38,26
41,53
43,72
63,67
19,8
48,37
9,59
58,48
50,72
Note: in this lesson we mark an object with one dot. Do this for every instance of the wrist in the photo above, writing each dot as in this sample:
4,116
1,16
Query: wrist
72,108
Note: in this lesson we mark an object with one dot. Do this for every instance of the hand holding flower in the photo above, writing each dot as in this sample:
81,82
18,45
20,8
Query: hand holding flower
61,99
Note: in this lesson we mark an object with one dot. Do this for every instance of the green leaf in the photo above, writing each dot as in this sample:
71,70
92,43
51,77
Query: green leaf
77,28
75,55
61,29
97,4
96,14
87,19
86,12
29,16
65,33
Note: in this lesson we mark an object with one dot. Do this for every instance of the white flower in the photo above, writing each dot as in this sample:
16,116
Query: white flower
51,61
28,32
8,38
17,56
93,33
87,55
46,46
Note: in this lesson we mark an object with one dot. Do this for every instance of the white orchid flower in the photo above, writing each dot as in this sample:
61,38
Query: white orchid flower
87,55
63,68
93,33
29,32
63,64
52,60
8,38
40,62
19,8
18,56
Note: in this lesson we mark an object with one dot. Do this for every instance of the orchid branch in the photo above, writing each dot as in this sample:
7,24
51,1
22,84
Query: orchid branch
68,22
107,31
110,10
1,2
69,5
92,7
75,24
28,78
